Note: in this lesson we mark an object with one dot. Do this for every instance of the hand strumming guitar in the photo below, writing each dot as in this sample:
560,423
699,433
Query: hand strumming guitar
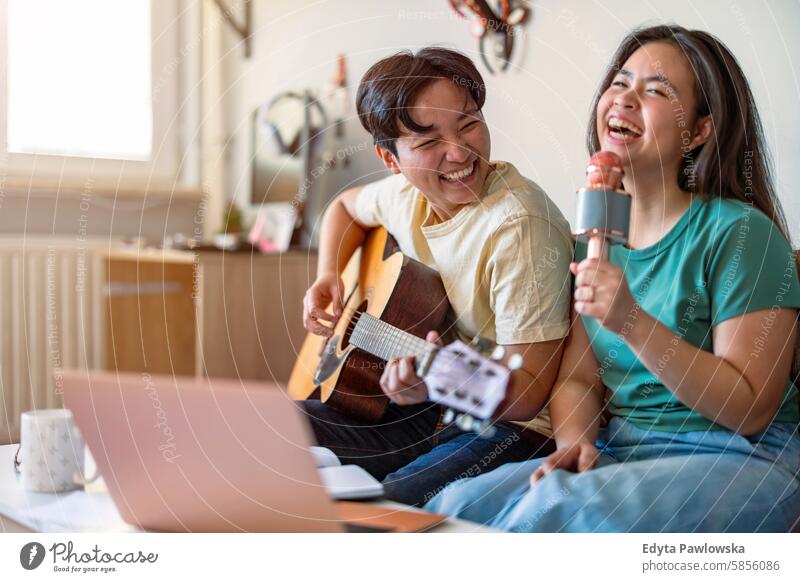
326,289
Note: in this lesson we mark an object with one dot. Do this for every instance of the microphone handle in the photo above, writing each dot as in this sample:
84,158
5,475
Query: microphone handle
597,248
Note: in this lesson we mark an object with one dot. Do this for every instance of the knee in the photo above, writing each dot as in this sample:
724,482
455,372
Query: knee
412,487
403,491
544,508
450,499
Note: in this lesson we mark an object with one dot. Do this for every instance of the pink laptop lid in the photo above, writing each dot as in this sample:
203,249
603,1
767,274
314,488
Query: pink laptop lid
203,455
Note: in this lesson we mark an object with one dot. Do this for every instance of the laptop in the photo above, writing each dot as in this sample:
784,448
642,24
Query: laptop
212,455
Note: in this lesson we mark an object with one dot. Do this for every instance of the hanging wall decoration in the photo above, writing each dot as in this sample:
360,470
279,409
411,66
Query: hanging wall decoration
495,23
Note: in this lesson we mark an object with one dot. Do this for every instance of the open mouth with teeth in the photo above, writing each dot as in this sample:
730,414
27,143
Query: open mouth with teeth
623,130
463,175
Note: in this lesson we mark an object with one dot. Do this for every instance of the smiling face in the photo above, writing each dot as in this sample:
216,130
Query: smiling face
646,116
449,163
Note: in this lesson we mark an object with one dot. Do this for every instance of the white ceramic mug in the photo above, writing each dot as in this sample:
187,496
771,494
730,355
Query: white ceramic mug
50,458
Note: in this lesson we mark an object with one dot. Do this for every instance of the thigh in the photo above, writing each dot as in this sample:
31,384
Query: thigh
403,434
693,493
461,455
482,498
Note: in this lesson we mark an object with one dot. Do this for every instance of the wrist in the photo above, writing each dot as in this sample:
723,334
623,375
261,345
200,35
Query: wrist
569,442
640,328
326,272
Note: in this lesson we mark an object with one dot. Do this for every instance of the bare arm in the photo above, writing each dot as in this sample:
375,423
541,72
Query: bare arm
577,401
530,385
740,385
527,392
737,386
340,235
575,407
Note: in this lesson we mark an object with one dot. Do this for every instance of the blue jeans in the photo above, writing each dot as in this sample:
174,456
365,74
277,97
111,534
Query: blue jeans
413,453
647,481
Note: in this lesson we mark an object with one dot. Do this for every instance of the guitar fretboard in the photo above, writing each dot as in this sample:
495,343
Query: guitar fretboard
384,340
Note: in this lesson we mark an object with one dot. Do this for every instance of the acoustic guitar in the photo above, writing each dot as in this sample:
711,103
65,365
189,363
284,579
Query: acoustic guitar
390,303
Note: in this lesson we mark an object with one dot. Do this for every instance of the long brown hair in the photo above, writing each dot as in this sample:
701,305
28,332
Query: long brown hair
734,162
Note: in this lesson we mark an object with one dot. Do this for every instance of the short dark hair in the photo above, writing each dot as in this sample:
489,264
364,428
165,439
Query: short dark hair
390,86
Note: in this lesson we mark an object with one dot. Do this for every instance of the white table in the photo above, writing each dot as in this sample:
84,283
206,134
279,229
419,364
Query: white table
69,508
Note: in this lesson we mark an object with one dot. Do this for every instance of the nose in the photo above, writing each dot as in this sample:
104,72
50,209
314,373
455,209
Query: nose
626,99
457,151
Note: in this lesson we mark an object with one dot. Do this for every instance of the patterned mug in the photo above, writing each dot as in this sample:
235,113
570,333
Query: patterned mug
50,457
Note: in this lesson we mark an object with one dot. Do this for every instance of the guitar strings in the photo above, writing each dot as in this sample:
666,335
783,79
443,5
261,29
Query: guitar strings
392,336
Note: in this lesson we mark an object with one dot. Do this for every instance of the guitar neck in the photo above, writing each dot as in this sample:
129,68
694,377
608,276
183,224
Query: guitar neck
385,340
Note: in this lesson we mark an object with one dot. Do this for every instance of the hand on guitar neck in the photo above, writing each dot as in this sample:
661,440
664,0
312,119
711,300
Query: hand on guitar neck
400,381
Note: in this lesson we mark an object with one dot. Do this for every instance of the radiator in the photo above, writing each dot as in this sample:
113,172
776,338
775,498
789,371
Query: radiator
51,318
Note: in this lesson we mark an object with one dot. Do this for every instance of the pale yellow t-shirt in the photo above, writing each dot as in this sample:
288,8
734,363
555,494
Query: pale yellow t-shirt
504,259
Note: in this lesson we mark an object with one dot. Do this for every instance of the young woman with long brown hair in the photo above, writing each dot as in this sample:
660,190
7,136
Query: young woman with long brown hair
674,409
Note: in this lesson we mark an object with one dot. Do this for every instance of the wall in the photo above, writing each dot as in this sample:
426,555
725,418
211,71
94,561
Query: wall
538,111
97,214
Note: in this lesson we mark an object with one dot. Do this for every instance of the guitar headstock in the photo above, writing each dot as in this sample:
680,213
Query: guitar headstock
460,377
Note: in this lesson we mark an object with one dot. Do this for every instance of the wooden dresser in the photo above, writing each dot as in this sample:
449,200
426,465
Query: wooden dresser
235,315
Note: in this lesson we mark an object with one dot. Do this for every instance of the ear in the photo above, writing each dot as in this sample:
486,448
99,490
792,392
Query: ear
702,132
388,158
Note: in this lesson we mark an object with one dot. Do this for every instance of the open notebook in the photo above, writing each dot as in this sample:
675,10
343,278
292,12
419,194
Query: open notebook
344,481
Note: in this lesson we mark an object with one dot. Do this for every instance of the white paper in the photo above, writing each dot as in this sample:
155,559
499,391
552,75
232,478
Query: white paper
324,457
350,482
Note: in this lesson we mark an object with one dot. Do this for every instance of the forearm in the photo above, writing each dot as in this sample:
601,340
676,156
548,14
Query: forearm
340,236
701,380
525,397
575,412
529,386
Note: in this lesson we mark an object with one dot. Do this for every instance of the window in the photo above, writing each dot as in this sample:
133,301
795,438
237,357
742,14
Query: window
90,90
86,90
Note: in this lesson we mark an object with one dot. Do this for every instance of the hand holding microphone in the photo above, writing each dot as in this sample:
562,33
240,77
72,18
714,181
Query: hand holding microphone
603,218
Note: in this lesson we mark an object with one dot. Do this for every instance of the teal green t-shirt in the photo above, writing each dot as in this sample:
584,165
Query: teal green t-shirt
722,259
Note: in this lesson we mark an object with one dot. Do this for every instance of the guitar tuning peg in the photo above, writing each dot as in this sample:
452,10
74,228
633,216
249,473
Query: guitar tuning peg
498,353
465,422
514,362
481,344
449,415
485,428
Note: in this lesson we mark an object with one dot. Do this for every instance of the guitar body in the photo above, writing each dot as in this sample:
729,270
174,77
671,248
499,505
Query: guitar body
384,283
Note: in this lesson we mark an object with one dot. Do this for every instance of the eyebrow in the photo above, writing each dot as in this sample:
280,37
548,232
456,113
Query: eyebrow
461,116
658,78
468,113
